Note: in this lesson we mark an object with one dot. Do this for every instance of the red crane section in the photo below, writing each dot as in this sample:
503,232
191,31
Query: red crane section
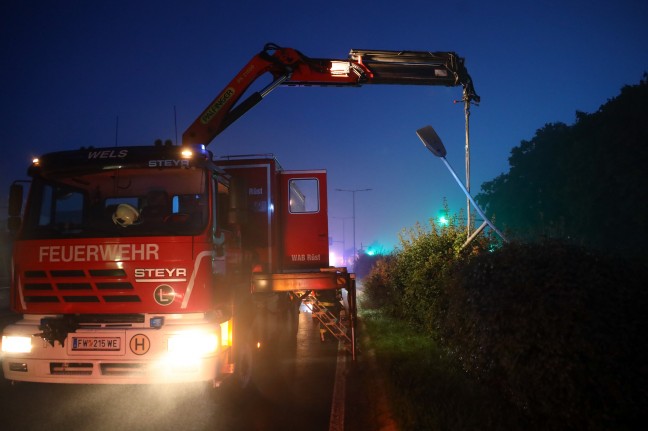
290,67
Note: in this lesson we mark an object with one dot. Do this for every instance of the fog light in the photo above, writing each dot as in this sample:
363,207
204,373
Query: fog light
18,366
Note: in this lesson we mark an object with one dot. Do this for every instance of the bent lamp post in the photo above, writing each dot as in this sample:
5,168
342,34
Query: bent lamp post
433,143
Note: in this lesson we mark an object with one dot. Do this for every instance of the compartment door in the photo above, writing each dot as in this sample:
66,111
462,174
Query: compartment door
304,220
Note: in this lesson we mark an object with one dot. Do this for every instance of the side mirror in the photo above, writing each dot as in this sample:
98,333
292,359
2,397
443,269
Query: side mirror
431,141
13,224
15,199
15,207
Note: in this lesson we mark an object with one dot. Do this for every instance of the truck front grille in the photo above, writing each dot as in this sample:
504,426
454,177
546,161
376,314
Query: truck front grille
78,286
122,369
105,369
71,368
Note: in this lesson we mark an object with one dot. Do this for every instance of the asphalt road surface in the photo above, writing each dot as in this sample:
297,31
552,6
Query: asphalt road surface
298,394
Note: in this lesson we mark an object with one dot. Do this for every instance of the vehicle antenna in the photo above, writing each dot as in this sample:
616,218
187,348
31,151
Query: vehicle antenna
175,121
117,131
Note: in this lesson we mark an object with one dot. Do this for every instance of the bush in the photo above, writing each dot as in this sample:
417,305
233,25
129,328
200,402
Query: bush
364,263
408,283
559,330
556,329
377,286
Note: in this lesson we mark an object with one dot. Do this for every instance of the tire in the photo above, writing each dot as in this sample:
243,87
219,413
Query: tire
245,364
265,335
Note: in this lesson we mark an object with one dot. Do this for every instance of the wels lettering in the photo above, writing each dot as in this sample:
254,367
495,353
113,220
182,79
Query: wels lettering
107,154
211,112
98,252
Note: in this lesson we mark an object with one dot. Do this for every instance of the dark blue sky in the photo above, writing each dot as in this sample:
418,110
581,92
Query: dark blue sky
70,68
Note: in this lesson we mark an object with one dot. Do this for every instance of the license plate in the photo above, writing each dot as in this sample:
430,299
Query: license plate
80,344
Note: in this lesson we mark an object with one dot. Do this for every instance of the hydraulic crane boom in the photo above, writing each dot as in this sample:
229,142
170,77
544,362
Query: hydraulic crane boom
290,67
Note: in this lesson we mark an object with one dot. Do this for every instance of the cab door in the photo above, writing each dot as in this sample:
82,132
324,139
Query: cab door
304,220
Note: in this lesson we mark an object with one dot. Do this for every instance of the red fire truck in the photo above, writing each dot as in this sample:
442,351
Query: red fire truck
164,263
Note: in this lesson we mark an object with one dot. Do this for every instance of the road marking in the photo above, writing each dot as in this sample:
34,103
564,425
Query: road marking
336,421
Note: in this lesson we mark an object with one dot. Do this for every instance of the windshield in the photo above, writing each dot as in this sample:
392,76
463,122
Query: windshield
122,202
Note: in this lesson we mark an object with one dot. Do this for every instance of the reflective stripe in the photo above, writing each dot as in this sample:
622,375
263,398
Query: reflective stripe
190,286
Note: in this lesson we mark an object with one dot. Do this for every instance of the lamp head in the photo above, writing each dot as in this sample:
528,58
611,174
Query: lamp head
431,141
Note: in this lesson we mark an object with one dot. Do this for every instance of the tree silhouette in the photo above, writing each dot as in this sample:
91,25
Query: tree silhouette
585,183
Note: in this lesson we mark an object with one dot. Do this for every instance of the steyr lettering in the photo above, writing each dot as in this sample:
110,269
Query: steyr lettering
168,163
160,272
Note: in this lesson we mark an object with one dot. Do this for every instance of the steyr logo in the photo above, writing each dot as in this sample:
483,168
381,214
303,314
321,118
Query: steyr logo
164,294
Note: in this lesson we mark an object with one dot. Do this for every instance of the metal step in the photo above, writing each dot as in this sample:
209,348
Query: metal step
328,319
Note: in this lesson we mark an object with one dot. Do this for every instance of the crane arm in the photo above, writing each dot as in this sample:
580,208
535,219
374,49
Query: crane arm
290,67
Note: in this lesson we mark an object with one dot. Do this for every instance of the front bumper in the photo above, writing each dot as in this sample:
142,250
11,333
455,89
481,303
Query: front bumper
129,355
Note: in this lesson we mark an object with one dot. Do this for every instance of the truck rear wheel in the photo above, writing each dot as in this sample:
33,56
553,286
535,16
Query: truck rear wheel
264,342
244,369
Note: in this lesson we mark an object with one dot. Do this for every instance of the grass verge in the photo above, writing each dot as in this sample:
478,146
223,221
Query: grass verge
426,389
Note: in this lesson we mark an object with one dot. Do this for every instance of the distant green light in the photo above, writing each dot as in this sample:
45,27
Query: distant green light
443,221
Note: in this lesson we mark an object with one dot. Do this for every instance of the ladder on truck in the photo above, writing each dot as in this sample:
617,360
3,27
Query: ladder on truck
305,285
342,327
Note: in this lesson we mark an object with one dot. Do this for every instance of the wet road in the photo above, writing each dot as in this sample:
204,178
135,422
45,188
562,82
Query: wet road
297,393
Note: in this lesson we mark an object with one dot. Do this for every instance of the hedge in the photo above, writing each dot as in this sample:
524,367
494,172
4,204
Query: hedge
557,329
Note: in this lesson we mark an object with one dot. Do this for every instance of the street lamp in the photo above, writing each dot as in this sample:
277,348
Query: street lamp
433,143
353,192
344,219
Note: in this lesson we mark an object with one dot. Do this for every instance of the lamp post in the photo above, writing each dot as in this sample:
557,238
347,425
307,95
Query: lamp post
353,192
344,219
433,143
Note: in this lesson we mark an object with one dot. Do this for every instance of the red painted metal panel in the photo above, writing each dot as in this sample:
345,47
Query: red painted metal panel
121,275
304,220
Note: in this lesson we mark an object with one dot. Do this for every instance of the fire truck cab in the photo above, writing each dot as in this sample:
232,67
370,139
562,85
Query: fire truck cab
149,264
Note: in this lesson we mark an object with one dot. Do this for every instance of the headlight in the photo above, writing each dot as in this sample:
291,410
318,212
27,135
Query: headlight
192,344
16,344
